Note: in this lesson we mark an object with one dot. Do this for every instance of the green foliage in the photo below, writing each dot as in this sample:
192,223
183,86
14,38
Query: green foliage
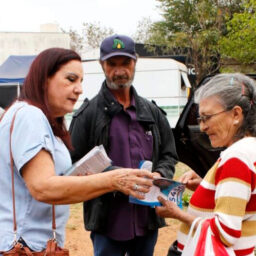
240,68
194,25
185,199
239,42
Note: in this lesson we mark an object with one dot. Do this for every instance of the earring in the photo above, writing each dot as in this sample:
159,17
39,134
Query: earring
236,122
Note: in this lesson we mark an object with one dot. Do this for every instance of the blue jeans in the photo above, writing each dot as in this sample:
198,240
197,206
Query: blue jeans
139,246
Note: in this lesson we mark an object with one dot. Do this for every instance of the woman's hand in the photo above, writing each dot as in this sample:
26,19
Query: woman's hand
191,179
156,175
134,182
171,210
45,186
168,209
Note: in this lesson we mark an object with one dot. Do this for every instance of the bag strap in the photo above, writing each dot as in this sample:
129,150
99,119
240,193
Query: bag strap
2,116
13,188
200,248
12,173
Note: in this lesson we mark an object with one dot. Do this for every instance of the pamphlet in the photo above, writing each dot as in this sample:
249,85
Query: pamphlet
166,188
94,161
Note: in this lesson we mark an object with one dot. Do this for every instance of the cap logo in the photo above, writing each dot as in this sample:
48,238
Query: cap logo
118,44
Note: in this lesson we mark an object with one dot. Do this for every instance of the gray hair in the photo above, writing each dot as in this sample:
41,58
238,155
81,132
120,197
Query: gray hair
233,90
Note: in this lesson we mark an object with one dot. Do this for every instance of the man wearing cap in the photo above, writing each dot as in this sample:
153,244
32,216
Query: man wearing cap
132,129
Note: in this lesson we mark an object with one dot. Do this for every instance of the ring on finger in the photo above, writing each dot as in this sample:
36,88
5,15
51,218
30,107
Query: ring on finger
135,187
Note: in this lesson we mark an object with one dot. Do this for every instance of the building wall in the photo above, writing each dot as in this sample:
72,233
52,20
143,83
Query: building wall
30,43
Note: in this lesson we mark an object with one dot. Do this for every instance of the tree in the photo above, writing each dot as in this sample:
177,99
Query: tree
196,26
239,42
142,33
94,33
76,41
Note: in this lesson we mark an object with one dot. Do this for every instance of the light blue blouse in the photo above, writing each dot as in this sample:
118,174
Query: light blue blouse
32,132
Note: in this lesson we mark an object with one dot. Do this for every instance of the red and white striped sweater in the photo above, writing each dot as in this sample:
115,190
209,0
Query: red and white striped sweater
227,196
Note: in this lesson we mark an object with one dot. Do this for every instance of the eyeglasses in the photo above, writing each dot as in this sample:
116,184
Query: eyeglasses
206,118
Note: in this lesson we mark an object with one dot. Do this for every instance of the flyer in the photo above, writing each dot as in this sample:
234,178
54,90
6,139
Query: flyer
94,161
167,188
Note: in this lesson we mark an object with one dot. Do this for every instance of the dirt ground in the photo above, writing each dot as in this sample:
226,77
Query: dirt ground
78,240
79,243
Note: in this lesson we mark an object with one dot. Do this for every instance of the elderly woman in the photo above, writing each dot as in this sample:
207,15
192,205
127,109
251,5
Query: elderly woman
39,149
226,195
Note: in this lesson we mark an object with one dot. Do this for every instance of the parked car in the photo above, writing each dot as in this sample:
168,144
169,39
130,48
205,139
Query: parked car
193,146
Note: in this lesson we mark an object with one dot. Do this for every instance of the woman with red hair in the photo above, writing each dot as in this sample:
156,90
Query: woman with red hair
39,144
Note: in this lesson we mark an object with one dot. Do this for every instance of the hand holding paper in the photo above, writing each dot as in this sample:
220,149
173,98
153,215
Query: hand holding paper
168,209
94,161
166,188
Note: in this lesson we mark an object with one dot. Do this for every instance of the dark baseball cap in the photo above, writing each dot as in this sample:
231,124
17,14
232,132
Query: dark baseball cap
117,45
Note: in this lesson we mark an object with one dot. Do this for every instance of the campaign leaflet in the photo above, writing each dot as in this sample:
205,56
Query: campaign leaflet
168,189
94,161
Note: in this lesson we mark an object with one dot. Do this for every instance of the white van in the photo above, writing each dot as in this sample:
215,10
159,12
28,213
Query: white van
160,79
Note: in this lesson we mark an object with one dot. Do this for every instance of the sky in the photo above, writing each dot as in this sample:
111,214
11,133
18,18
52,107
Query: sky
121,15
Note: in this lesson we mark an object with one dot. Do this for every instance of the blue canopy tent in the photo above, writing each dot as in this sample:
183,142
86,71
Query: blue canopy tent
12,74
